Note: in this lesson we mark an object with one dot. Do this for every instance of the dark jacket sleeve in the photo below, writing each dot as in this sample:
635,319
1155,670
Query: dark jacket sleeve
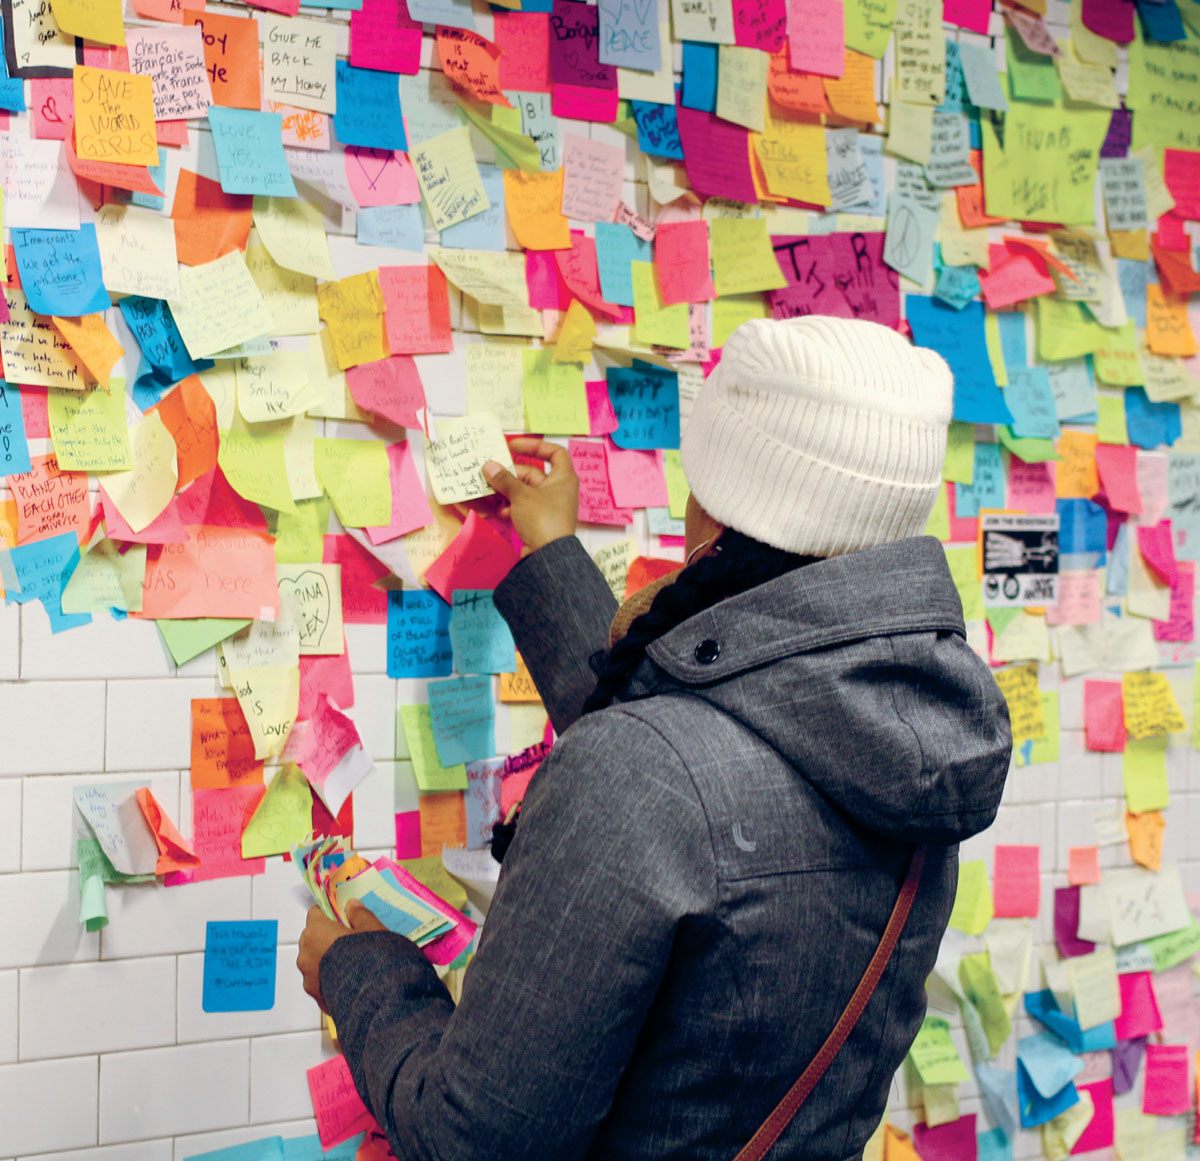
559,608
574,949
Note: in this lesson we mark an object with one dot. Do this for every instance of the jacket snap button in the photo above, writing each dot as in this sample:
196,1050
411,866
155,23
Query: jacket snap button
707,651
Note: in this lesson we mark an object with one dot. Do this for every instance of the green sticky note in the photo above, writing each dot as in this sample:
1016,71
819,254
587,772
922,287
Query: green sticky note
868,25
254,465
417,724
1000,619
432,873
502,127
933,1054
963,564
743,260
1066,330
299,535
1110,422
109,576
981,989
960,453
973,900
357,478
938,523
189,638
654,323
1164,88
1031,76
1044,749
1174,947
677,485
283,816
995,350
731,310
1117,363
89,429
1144,769
555,395
1032,451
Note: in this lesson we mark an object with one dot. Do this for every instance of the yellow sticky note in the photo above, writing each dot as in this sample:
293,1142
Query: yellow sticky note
255,467
98,20
89,429
910,131
491,278
355,474
742,258
109,576
964,570
555,395
1146,837
269,696
1110,421
730,311
793,160
1094,985
219,306
1019,684
1116,362
454,462
282,818
417,725
995,350
1150,705
449,178
114,117
938,524
613,560
656,324
34,352
352,309
496,380
576,335
677,485
94,344
742,86
961,246
290,297
293,231
959,465
973,900
143,491
1043,750
1144,770
272,387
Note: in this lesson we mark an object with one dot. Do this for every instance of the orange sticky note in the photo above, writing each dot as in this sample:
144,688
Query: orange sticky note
417,317
443,821
169,11
114,117
98,20
532,202
1168,331
216,572
1083,866
518,688
1075,476
188,413
852,95
208,221
50,501
471,64
231,57
222,745
800,92
93,343
1145,832
174,854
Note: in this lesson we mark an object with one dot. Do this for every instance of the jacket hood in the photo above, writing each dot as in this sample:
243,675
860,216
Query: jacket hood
856,670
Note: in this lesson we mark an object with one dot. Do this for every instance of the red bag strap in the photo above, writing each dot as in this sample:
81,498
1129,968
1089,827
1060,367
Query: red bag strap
770,1130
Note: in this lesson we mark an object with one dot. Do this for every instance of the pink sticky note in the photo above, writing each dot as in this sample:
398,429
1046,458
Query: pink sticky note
972,14
329,675
716,155
165,528
1031,486
1167,1092
381,177
1014,280
1139,1008
760,24
595,496
681,256
477,558
1066,924
578,270
336,1104
593,172
330,737
218,819
1079,598
1099,1131
34,411
1152,485
389,387
547,291
1112,19
817,37
301,128
1158,550
1117,466
211,500
524,39
953,1141
1181,172
580,103
51,102
446,948
383,37
1180,625
362,602
636,477
408,834
172,132
1016,881
1104,716
410,505
1083,866
602,419
962,529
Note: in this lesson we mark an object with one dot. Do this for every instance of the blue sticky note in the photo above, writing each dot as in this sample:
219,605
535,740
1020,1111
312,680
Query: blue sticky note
958,98
480,637
657,128
250,152
418,635
14,447
699,76
998,1087
870,149
1074,391
401,922
368,108
1012,338
616,247
482,231
159,175
309,1149
957,285
1161,21
629,35
402,227
60,270
456,13
264,1149
1116,575
957,335
1035,1109
42,570
154,328
646,403
12,89
1031,402
239,965
987,488
1133,278
1048,1062
1150,424
1082,529
463,715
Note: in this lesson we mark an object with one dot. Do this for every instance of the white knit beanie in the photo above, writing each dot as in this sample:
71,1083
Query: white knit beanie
820,435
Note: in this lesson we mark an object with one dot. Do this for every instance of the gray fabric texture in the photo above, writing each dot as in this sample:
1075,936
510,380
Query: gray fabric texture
700,876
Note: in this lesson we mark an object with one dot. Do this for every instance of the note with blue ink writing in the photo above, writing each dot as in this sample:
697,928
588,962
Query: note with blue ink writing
239,965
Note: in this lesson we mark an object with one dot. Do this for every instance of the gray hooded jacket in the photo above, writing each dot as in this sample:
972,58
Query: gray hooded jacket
700,876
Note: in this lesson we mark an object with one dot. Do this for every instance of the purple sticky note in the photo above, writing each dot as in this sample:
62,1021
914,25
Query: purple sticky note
1127,1058
1066,924
1112,19
1120,133
575,47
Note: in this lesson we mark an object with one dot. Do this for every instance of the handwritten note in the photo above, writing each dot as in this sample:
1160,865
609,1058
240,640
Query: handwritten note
454,461
299,63
114,117
250,152
174,60
219,306
239,965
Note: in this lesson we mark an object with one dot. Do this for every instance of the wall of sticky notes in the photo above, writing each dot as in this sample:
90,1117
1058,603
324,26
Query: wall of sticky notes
278,280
